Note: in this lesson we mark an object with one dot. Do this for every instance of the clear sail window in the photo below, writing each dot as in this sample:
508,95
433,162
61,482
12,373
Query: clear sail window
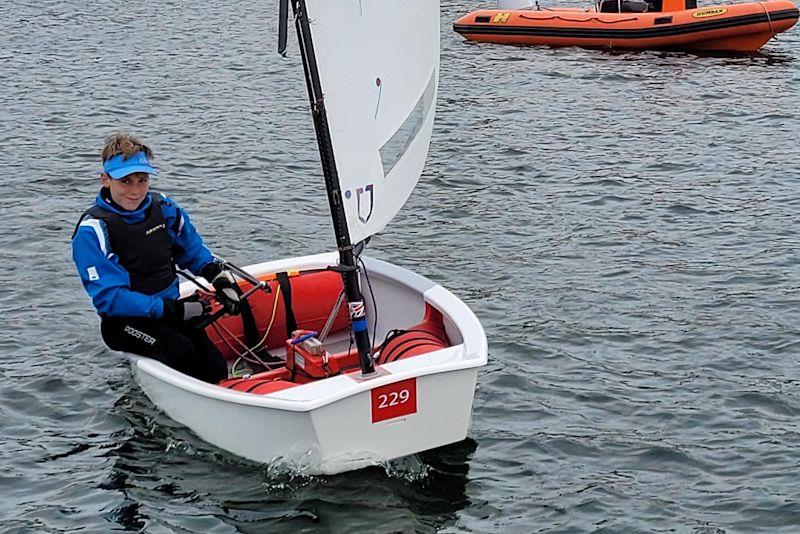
396,146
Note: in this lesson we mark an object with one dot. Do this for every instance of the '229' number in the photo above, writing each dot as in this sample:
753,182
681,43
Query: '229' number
394,400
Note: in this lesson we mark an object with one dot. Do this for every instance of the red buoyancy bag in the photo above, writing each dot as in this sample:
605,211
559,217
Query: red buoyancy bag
427,336
255,385
314,295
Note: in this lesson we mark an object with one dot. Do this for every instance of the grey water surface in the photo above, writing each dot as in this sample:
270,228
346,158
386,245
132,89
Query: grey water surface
624,225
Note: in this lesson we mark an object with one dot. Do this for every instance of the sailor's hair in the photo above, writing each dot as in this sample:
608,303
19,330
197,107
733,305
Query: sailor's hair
125,144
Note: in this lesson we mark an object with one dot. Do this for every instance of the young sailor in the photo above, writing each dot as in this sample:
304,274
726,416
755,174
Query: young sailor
126,247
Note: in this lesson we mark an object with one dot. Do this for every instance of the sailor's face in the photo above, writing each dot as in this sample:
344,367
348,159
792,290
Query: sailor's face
129,191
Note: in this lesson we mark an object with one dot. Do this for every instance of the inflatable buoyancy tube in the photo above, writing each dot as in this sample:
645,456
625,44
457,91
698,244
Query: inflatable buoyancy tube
427,336
255,385
312,296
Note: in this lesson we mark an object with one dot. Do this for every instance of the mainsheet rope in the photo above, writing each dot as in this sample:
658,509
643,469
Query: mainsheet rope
251,350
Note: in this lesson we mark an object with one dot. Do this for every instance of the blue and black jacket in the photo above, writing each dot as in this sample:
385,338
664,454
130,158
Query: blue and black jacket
126,259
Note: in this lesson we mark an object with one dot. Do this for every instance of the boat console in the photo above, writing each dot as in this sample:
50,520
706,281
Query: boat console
624,6
644,6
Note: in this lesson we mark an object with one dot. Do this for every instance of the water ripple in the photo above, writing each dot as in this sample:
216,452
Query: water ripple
624,224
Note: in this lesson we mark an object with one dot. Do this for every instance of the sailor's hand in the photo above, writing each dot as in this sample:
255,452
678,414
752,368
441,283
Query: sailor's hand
188,309
226,292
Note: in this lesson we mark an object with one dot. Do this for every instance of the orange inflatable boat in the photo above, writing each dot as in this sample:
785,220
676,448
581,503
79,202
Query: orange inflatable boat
636,24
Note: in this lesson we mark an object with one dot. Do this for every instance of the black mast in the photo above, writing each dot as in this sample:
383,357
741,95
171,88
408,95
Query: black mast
347,259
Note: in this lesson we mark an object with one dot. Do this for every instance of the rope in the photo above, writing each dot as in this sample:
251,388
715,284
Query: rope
271,320
580,20
225,340
769,19
251,350
217,328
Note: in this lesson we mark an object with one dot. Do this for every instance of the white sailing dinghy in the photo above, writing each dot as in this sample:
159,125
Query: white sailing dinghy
394,371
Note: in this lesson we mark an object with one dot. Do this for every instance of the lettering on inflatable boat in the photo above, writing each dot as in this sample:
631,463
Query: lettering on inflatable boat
501,17
712,12
394,400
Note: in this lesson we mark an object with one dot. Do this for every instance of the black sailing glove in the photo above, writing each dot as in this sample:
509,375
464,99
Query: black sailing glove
226,293
188,309
224,286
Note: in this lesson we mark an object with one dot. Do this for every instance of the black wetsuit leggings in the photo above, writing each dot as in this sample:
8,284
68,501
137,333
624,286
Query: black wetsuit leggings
178,345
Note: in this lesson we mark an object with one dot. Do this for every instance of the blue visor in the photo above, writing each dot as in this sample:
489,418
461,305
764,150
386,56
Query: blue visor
119,167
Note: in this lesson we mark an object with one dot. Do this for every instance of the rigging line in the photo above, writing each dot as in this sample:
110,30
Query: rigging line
254,360
271,320
246,372
233,349
224,339
374,304
239,341
234,373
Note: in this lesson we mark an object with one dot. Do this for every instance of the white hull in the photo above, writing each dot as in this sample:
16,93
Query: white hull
327,427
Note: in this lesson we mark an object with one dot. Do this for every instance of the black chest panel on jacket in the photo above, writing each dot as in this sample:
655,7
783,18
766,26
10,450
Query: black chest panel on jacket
144,249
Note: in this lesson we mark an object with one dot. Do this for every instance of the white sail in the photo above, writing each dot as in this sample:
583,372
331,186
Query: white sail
378,63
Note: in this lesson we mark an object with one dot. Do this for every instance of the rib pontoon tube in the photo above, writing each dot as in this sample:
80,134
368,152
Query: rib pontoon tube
636,24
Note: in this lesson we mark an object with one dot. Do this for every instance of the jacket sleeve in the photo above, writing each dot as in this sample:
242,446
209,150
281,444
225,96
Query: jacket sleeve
189,251
105,280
